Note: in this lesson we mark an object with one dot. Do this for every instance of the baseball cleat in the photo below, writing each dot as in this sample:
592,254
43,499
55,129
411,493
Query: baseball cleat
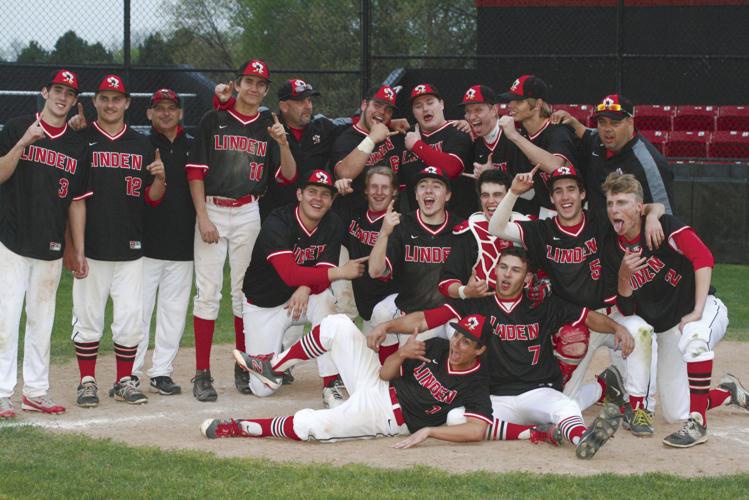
136,380
87,397
241,380
127,391
739,395
639,422
41,404
335,394
260,366
215,428
202,386
692,433
288,378
600,431
547,433
612,378
6,408
165,386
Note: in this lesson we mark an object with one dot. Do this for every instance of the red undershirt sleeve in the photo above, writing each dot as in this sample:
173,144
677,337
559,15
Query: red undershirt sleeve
438,316
694,249
449,164
295,275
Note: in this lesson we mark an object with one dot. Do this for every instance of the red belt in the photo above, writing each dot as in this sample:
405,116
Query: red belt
396,407
231,202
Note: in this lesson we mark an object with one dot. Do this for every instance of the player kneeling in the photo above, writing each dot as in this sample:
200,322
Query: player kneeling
413,392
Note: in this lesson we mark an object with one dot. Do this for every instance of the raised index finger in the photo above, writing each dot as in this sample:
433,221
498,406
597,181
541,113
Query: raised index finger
275,119
80,110
157,155
535,169
390,207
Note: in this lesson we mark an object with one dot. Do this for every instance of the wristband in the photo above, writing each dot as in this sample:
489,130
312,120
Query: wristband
367,145
462,292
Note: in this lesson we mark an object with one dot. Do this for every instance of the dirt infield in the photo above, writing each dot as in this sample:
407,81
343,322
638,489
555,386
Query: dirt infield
172,422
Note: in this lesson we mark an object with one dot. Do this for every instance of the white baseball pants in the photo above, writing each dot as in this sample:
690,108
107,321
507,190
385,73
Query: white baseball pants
386,309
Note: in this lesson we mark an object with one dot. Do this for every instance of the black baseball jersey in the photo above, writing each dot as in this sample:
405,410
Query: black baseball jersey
475,250
416,253
239,155
503,153
664,288
311,152
363,227
446,139
387,153
638,157
558,140
283,232
518,336
169,228
34,200
428,391
118,179
571,257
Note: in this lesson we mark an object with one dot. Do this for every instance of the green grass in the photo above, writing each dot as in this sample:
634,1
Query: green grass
34,463
731,284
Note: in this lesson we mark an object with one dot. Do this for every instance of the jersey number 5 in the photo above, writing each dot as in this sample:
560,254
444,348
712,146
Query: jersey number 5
62,191
133,185
595,269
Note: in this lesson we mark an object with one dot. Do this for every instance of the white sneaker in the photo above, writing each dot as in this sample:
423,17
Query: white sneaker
335,394
692,433
6,408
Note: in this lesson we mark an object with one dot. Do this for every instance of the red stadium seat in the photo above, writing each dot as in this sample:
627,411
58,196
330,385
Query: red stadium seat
581,112
657,138
733,118
695,118
729,144
653,117
687,144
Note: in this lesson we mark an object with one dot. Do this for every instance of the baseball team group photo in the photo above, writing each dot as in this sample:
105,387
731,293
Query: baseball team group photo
419,278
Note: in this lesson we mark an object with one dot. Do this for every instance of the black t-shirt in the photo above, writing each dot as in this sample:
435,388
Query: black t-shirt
169,228
363,227
416,253
428,391
638,157
664,288
34,200
572,260
504,153
518,336
240,156
388,153
446,139
118,179
283,232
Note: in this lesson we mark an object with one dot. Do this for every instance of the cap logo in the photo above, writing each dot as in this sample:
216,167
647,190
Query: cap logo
470,94
388,93
113,82
258,67
431,170
420,89
299,86
564,171
472,322
608,102
68,77
515,85
322,177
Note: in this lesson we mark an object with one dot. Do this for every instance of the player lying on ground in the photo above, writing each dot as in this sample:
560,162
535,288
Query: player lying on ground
411,393
669,287
525,380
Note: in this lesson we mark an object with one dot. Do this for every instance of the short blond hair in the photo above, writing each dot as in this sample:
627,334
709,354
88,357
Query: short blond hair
617,183
381,170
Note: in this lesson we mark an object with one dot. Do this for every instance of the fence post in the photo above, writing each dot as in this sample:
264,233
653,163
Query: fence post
619,45
365,26
126,39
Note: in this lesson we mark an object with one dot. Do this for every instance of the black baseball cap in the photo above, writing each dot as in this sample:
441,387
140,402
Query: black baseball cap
384,94
564,172
616,107
319,178
471,326
479,94
525,87
432,172
165,95
296,90
424,89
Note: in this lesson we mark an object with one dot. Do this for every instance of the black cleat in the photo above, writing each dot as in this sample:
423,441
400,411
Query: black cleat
202,386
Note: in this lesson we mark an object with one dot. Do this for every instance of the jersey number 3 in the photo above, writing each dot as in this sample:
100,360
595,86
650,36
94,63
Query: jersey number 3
62,190
133,185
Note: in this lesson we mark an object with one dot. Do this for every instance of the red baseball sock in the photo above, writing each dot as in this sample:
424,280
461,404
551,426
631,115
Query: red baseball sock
506,431
308,347
326,381
699,373
203,341
573,428
281,427
85,353
603,389
239,334
636,401
124,358
717,397
385,352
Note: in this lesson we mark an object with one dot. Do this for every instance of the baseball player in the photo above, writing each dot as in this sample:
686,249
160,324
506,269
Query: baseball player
568,248
168,233
287,281
124,175
42,185
537,141
524,378
367,143
616,146
670,288
412,252
236,153
412,393
435,141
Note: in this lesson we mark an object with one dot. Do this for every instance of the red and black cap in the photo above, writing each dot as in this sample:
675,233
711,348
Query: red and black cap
471,326
112,83
424,89
564,172
320,178
432,172
165,95
64,77
525,87
478,94
616,107
296,90
384,94
254,67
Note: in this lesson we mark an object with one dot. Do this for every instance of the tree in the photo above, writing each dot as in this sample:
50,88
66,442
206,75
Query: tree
72,49
155,51
32,53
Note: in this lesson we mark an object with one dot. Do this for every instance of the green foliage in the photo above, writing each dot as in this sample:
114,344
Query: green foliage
155,51
33,53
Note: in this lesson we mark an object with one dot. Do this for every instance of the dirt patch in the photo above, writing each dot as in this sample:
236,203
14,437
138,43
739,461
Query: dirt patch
172,422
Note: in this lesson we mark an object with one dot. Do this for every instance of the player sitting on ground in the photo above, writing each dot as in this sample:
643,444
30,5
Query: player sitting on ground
524,379
413,392
670,288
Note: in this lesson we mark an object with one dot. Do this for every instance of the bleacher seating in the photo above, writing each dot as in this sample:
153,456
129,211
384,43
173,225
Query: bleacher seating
695,118
729,144
654,117
581,112
658,138
687,143
733,118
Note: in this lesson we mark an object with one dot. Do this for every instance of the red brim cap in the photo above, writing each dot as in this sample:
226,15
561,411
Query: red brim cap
112,83
255,67
165,95
66,78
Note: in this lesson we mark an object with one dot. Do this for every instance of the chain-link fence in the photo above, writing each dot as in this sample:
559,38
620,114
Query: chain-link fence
661,53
